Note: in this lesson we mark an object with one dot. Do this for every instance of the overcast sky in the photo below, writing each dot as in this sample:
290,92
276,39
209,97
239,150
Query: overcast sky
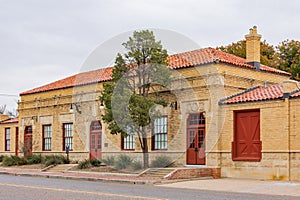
43,41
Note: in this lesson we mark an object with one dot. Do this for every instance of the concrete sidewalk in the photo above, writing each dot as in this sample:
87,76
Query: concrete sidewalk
77,175
242,186
224,184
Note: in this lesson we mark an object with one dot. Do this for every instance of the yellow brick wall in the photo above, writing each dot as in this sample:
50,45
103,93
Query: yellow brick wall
280,142
53,107
13,130
295,138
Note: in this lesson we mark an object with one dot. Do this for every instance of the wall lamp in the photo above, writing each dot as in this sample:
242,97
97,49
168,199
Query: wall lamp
77,107
101,105
174,105
33,119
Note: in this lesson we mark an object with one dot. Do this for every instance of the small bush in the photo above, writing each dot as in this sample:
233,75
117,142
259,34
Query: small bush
95,162
123,161
55,160
161,161
13,160
1,158
33,159
84,164
110,160
137,165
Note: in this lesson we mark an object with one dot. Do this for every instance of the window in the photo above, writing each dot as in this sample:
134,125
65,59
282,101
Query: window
160,133
68,136
7,139
128,142
28,130
47,136
246,145
197,119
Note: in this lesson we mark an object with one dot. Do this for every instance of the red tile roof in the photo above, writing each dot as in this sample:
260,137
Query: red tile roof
210,55
176,61
84,78
254,94
9,121
296,94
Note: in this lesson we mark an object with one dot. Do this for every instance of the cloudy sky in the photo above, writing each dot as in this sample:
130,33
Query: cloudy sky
43,41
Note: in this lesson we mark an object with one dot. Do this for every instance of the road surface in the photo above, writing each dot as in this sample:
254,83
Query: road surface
36,188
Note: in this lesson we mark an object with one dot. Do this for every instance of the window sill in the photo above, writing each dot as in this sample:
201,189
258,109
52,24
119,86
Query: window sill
159,150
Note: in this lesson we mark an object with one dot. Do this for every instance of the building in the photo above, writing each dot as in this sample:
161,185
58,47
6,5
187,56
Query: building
209,104
9,129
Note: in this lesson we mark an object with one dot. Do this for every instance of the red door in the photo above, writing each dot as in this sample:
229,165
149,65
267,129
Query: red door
196,139
247,144
95,140
27,141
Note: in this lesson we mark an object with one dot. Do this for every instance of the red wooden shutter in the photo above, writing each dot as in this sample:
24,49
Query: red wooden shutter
247,145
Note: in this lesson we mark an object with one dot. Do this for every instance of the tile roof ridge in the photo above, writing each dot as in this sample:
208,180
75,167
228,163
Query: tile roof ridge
294,92
221,101
191,51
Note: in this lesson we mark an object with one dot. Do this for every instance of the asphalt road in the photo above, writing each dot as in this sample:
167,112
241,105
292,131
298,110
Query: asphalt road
34,188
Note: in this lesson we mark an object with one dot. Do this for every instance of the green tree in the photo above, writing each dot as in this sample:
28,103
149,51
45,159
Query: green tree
289,57
130,97
285,56
268,54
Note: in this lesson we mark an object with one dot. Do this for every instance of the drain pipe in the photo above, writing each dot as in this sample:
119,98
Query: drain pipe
289,139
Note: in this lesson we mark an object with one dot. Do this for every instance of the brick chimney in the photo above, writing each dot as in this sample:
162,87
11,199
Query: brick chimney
253,48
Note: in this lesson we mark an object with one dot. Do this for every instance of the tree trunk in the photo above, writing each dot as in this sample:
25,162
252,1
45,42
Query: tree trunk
145,149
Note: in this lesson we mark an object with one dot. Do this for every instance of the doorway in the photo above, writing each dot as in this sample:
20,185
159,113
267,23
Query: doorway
95,140
196,139
27,141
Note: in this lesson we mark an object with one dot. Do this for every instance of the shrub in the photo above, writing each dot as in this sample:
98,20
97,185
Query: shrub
123,161
161,161
137,165
55,160
1,158
95,162
33,159
84,164
110,160
13,160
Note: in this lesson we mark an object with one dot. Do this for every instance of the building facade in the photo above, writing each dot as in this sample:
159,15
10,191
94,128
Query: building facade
203,124
9,130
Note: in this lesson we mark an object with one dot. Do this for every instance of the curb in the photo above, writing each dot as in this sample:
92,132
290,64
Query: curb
134,182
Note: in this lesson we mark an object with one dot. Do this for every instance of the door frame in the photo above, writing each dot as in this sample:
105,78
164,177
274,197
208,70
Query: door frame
26,137
197,128
97,133
235,146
